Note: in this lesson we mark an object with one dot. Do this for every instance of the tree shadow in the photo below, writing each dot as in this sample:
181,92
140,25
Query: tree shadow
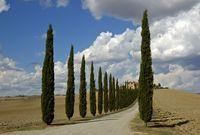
160,124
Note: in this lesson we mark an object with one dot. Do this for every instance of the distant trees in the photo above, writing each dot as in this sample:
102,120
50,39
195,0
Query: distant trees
127,96
100,92
113,94
106,107
92,92
146,73
82,90
117,95
70,95
47,97
110,92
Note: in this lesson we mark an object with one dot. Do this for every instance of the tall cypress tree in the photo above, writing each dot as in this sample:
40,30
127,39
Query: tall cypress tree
113,94
92,92
69,106
117,95
105,92
110,92
146,73
47,97
82,90
100,92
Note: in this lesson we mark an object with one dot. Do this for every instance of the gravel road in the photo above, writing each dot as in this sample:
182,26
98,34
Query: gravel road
114,124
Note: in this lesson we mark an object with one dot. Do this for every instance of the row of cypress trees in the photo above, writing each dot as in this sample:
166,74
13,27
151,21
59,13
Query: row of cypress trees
112,98
109,99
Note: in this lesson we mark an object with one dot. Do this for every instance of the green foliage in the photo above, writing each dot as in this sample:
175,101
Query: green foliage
117,96
69,108
82,90
106,107
92,92
146,74
113,94
126,96
47,97
100,92
112,102
110,92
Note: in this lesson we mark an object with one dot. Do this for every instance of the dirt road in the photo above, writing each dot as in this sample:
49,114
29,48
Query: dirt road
114,124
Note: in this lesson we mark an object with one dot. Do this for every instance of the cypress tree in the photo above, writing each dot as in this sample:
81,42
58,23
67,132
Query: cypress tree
105,92
92,92
110,92
146,73
117,95
69,106
47,96
113,94
100,92
82,90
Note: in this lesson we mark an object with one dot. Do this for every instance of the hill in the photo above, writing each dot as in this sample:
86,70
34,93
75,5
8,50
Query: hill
175,112
182,105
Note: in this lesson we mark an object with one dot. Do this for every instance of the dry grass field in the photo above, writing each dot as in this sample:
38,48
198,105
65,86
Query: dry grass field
175,112
182,109
24,113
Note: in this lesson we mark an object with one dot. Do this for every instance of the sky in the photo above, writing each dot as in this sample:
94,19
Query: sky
106,32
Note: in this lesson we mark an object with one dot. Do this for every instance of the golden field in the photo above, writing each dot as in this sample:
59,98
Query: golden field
175,112
19,113
182,109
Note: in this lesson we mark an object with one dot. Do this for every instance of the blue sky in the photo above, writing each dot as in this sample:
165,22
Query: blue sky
24,25
106,32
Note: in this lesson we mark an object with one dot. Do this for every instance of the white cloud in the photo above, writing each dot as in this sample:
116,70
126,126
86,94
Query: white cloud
109,47
62,3
180,78
177,37
4,6
17,81
132,9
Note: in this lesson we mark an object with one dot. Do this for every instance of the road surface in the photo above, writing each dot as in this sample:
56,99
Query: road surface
114,124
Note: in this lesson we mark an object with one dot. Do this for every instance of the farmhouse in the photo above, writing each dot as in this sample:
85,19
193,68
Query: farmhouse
132,85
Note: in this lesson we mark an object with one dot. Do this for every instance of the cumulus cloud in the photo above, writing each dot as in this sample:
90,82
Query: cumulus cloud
180,78
4,6
113,47
17,81
132,9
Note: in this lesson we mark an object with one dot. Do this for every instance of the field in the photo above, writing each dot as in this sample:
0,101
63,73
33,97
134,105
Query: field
184,107
19,113
175,112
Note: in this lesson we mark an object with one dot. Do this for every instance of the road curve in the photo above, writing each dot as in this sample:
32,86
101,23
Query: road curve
114,124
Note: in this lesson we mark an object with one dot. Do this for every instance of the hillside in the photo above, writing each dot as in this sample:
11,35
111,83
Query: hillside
175,112
185,107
